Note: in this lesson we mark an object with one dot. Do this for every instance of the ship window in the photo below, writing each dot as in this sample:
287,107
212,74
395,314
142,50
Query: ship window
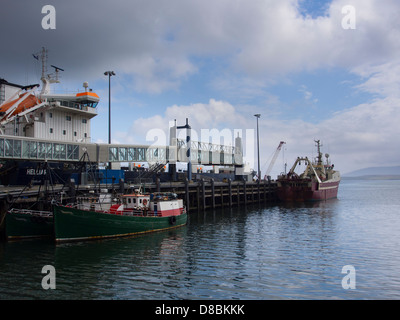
51,130
51,115
129,200
74,133
12,148
84,121
68,118
59,151
88,103
72,152
64,132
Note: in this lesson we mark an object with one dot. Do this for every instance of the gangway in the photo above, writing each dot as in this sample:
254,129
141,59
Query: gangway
26,148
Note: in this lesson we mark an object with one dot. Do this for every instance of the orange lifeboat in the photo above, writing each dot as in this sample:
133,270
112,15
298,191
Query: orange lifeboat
28,102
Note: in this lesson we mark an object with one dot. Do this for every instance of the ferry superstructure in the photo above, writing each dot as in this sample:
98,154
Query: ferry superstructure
47,115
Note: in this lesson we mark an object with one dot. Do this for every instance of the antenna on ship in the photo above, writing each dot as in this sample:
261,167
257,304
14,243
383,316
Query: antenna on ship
47,79
319,145
56,70
43,57
327,158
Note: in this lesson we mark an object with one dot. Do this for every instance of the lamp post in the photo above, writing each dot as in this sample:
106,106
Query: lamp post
109,74
258,147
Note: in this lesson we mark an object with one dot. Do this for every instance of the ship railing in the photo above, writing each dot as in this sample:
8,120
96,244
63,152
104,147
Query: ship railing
133,213
32,212
72,205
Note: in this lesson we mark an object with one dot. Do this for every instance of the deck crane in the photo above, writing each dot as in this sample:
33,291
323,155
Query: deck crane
274,158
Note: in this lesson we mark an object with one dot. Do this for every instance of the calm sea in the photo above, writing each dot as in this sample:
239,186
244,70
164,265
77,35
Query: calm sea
253,253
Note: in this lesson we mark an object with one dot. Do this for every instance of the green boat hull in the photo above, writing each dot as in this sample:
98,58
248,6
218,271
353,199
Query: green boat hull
23,225
73,224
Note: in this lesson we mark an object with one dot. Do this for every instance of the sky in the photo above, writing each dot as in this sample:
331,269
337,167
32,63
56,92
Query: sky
326,70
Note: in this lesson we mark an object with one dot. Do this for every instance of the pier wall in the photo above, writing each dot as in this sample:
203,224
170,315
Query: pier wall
209,194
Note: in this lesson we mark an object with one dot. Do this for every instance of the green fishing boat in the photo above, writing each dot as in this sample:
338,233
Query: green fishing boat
138,213
25,223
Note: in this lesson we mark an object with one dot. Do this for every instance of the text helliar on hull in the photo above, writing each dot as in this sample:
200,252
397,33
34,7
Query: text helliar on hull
319,181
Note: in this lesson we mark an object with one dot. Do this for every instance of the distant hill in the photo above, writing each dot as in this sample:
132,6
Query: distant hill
375,173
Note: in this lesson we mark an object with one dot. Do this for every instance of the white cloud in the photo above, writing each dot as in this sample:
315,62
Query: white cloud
155,41
382,80
212,115
364,134
307,94
157,45
262,40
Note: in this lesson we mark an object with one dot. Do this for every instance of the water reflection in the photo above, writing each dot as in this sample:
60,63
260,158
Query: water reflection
118,268
291,251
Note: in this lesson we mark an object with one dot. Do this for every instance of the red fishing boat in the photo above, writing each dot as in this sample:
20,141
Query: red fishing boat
319,181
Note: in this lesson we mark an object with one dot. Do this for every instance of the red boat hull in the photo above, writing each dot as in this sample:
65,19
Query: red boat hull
306,190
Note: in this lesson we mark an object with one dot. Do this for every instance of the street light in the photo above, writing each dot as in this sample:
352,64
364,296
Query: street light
258,148
109,74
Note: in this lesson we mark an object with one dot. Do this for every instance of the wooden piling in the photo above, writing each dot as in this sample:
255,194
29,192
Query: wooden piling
187,195
230,192
213,193
203,193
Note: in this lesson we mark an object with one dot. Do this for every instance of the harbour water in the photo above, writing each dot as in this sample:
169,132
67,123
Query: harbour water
254,253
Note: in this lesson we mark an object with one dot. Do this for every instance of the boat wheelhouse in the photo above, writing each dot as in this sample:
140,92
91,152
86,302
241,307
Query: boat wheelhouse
156,204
